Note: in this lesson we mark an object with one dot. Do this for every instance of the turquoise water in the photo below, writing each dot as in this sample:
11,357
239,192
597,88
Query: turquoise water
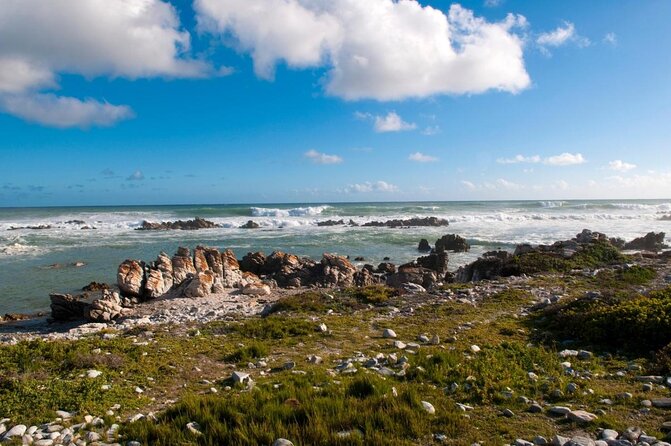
25,255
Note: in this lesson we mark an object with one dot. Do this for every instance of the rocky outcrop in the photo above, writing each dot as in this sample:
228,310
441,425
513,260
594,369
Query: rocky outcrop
188,225
198,285
251,224
491,265
130,278
105,309
182,265
214,262
96,286
436,261
650,242
412,274
366,277
66,307
424,246
253,262
34,228
452,242
340,222
337,271
158,277
426,221
231,273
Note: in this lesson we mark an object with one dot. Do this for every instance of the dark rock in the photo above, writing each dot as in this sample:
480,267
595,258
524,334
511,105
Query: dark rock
250,225
386,268
412,274
253,262
426,221
436,262
665,217
75,222
337,271
95,286
190,225
35,228
650,242
359,259
452,242
491,265
424,245
66,307
365,277
331,223
386,259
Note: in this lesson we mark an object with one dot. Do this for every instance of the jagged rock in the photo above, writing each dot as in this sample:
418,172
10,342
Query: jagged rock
200,285
650,242
95,286
424,245
426,221
412,274
331,223
365,277
130,278
386,268
159,277
65,307
199,260
231,274
452,242
182,265
214,262
337,271
218,287
105,309
587,236
253,262
197,223
436,261
491,265
250,225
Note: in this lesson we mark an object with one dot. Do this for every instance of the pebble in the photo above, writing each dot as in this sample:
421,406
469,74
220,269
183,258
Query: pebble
194,428
282,442
508,413
400,345
475,348
559,410
322,328
93,373
388,333
428,407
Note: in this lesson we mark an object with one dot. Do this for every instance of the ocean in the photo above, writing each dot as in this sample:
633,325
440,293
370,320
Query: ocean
34,263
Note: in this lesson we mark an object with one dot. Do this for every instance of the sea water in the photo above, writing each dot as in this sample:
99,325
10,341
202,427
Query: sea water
34,263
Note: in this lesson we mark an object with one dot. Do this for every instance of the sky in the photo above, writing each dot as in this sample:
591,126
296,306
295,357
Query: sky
111,102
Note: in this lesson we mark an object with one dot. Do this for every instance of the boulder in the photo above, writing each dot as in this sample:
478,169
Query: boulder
250,225
386,268
337,271
65,307
159,277
452,242
231,273
365,277
436,261
253,262
424,245
199,285
650,242
130,278
331,222
491,265
199,260
96,286
105,309
256,289
412,274
182,265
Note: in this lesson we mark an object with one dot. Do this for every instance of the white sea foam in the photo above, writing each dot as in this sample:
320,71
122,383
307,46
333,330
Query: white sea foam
295,212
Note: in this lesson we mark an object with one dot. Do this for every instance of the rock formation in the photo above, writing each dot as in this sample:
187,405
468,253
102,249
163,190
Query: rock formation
426,221
650,242
452,242
188,225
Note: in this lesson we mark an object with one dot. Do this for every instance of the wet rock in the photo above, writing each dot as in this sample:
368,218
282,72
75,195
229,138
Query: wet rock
250,225
189,225
96,286
331,223
427,221
650,242
424,245
452,242
436,261
130,278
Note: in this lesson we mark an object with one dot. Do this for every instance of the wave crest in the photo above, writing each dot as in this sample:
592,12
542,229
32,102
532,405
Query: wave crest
295,212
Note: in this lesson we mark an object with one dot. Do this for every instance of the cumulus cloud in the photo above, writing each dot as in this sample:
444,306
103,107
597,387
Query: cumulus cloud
322,158
561,36
379,49
610,39
92,38
621,166
565,159
378,186
422,158
136,176
392,122
431,130
63,112
499,184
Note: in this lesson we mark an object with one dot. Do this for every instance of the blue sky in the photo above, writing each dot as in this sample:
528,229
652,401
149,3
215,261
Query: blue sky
224,101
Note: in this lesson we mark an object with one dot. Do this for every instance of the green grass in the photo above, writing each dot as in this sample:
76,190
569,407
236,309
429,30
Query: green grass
593,255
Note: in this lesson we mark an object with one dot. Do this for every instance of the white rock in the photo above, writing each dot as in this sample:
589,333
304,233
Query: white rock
388,333
282,442
16,431
581,416
428,407
322,328
93,373
475,348
194,428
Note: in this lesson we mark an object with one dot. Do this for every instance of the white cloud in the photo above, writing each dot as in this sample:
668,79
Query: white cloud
561,36
136,176
63,112
565,159
499,184
92,38
422,158
519,159
621,166
392,122
322,158
469,185
493,3
431,130
610,38
379,49
378,186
